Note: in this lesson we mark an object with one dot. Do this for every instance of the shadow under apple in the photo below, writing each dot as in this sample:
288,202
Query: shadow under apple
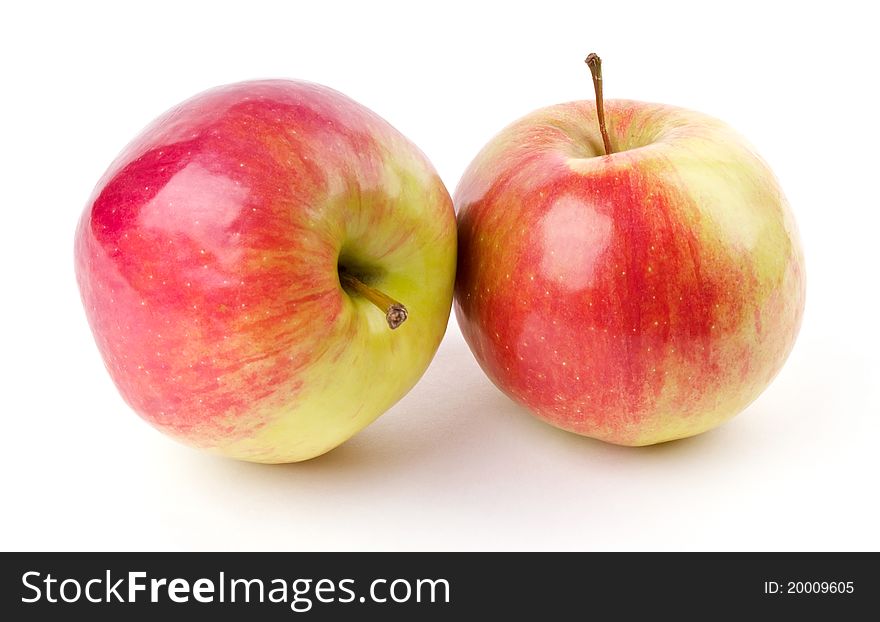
454,416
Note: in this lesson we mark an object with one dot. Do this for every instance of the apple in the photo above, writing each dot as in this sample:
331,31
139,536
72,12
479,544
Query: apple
231,259
639,293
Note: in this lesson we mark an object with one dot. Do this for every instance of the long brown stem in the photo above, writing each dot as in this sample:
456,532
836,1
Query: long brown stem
395,313
595,64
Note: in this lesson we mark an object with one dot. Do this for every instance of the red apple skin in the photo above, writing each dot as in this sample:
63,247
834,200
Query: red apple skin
207,263
635,298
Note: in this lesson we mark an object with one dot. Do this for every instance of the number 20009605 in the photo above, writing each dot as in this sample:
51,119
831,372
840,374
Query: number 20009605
809,587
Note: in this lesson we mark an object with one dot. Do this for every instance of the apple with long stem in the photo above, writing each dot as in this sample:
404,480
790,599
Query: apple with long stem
231,259
627,271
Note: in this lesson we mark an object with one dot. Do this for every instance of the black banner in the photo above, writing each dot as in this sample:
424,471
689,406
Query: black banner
438,586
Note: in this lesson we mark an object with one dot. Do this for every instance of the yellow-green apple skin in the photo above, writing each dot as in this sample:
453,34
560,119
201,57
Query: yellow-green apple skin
208,261
638,297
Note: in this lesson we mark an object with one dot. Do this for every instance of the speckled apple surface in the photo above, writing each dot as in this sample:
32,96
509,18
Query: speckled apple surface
638,297
207,259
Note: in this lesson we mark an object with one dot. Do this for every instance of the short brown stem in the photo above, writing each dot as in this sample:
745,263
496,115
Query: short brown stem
395,313
595,64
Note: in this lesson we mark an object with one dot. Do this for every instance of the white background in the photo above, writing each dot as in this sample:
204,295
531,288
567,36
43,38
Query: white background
455,465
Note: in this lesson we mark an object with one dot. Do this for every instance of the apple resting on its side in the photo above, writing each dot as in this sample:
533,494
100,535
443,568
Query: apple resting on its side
636,297
230,262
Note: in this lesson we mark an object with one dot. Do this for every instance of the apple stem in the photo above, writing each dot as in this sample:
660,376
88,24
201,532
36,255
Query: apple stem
595,64
395,313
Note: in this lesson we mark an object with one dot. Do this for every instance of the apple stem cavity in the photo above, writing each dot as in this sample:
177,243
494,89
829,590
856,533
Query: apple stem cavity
595,64
395,313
